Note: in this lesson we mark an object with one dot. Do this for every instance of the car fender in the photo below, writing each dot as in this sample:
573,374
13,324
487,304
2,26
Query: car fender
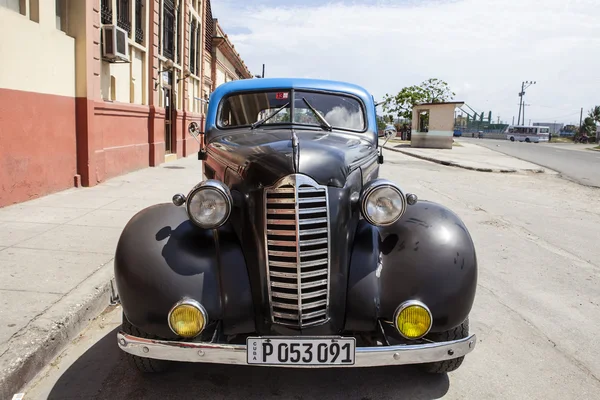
427,255
162,257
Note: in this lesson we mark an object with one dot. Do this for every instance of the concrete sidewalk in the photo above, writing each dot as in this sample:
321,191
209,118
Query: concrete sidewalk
56,262
468,156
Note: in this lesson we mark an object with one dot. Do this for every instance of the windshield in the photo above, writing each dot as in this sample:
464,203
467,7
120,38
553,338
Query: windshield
245,109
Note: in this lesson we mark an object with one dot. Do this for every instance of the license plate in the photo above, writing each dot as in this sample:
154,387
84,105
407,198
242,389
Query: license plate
300,351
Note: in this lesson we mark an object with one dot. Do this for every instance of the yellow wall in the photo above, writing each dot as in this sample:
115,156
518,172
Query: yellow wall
36,57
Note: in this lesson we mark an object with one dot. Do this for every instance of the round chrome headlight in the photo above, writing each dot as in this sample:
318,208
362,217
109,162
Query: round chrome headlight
382,203
209,204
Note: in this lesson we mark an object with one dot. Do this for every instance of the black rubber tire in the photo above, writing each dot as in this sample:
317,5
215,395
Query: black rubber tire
527,140
146,365
512,139
440,367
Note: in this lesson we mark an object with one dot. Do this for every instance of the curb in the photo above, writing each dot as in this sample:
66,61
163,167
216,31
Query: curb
47,334
457,165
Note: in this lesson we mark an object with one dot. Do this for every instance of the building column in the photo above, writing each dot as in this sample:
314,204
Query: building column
156,120
87,66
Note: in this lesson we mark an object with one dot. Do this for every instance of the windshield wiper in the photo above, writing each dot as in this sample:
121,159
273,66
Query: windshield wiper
262,121
324,124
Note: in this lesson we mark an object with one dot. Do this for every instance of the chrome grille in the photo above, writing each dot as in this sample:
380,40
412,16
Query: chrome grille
297,236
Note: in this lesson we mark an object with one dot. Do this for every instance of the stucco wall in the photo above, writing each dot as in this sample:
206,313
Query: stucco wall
440,127
36,57
38,153
441,117
228,65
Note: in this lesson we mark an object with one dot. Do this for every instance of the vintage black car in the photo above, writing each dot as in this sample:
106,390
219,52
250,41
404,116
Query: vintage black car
293,252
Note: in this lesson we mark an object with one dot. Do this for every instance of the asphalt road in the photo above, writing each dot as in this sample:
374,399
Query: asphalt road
535,314
572,161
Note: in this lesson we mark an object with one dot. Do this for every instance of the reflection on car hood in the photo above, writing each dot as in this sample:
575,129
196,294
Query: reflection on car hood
265,155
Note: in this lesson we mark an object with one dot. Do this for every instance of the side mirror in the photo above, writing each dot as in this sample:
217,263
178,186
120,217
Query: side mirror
389,131
194,130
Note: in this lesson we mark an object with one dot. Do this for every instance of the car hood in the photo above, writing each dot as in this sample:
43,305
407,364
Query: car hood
266,155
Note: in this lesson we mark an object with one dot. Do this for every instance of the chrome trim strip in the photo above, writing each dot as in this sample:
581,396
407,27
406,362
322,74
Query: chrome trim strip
287,191
236,354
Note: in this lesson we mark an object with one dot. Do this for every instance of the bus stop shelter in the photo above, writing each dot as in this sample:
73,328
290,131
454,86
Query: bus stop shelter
433,125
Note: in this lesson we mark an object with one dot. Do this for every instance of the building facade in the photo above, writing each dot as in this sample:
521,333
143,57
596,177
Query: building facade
92,89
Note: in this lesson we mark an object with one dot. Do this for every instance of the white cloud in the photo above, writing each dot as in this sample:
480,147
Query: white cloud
483,49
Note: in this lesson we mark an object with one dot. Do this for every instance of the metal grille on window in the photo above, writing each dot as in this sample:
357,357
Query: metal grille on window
123,17
208,28
139,29
198,48
168,29
297,236
178,43
193,46
106,12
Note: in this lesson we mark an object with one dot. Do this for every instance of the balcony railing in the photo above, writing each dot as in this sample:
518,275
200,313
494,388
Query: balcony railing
123,24
139,35
106,14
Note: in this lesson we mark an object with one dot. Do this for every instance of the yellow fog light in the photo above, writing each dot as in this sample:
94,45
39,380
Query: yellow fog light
413,319
188,318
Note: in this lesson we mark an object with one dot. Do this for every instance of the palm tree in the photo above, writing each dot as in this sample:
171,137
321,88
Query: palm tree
594,114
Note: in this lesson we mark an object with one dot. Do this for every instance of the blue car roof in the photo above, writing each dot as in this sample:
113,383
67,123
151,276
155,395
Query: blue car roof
288,83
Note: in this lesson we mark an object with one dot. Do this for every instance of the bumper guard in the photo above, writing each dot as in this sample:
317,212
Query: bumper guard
236,354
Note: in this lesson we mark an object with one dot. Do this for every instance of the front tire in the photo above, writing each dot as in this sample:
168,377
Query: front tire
439,367
143,364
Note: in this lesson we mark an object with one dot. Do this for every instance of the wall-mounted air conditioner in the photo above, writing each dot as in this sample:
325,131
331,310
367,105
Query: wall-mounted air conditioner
115,43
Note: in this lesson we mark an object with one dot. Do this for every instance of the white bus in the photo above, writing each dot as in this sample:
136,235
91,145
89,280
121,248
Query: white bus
528,133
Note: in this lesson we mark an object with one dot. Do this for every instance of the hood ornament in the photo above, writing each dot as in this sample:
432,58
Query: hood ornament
295,151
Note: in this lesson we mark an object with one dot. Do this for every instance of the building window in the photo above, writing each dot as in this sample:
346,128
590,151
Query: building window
178,43
193,46
106,14
139,21
198,45
208,28
61,15
15,5
123,15
168,29
423,121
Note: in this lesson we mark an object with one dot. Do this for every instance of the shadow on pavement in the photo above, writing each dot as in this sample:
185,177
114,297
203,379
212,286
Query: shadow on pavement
103,372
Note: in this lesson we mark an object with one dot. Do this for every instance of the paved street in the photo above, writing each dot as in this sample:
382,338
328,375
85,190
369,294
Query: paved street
535,314
572,161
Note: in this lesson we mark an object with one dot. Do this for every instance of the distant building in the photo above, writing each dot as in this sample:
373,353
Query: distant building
555,128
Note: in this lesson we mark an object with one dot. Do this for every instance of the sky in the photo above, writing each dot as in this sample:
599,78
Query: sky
484,49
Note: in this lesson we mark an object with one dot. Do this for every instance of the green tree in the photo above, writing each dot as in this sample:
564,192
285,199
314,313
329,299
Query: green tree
588,127
430,91
594,114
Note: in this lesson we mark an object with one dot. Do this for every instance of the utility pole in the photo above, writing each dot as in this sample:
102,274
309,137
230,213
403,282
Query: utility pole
580,119
263,74
513,124
521,94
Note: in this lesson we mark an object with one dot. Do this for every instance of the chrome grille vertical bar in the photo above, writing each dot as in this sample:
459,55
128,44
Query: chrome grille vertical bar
298,274
298,289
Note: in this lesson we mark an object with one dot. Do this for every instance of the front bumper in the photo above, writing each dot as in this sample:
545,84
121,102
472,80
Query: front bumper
236,354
